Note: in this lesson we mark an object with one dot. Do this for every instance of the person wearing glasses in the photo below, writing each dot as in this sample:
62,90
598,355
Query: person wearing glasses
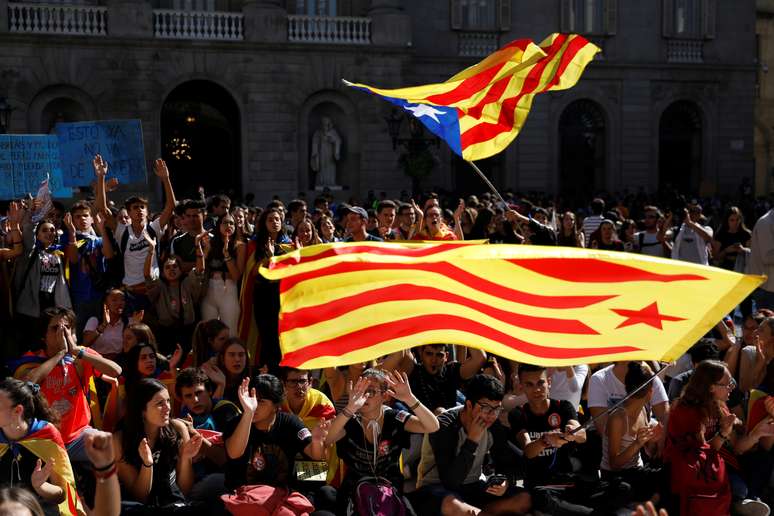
702,430
694,240
453,458
301,399
656,238
370,436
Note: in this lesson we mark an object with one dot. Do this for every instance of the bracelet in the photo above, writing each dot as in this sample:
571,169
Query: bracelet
104,468
347,413
415,405
103,476
80,353
226,258
147,465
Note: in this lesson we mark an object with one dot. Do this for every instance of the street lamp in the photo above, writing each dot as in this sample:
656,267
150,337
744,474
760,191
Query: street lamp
5,115
417,161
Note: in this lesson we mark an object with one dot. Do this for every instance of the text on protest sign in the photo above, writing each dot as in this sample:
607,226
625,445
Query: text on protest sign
25,161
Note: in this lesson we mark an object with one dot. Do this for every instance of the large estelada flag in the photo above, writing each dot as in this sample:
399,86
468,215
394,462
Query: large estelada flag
347,303
45,442
479,111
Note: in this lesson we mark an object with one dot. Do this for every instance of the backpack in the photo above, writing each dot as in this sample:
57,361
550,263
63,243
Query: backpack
116,264
377,497
125,237
263,500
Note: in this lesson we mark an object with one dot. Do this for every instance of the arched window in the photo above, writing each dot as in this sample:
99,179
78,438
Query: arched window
582,149
680,147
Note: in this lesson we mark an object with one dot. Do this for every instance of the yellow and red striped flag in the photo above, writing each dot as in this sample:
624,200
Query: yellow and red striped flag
479,111
346,303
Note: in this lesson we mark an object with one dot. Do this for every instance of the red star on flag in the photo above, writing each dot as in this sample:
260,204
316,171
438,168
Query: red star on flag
648,315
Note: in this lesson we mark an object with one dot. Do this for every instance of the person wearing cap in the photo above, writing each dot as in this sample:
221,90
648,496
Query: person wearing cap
356,221
693,241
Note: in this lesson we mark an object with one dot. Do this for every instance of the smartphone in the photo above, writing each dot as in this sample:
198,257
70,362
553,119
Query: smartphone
495,480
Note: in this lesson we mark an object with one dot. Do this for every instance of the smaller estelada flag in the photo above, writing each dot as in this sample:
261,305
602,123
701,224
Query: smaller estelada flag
351,302
480,110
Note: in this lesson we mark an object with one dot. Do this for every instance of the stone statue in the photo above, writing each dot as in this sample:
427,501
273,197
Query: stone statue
326,150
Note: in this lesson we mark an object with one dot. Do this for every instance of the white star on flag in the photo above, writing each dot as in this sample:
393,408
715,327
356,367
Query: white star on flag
425,110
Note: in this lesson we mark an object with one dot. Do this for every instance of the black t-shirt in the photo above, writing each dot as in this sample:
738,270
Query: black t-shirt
184,247
269,457
727,239
438,390
358,453
548,463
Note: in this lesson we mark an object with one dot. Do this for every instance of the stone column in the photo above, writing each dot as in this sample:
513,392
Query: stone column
130,18
390,25
265,21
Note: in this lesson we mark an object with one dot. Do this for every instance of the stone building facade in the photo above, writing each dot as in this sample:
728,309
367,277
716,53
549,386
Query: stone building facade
231,92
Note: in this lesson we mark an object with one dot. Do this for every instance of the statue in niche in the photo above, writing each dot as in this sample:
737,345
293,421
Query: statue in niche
326,151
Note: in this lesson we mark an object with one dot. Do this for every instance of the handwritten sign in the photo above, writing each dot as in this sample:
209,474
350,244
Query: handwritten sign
25,161
118,141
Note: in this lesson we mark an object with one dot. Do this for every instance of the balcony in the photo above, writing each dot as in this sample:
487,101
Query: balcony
685,51
341,30
71,20
199,25
476,44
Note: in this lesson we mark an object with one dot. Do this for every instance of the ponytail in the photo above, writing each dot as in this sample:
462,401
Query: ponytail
27,394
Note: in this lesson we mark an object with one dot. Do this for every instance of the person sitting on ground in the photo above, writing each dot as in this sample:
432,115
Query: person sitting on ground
369,436
64,375
32,454
262,445
155,453
630,431
453,458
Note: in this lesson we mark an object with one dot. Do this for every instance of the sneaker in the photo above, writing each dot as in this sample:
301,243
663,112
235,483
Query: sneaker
750,507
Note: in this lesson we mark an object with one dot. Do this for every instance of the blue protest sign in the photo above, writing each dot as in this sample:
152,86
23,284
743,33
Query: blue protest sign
25,161
118,141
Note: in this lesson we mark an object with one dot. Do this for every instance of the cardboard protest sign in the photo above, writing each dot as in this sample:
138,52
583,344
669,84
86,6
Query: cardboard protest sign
25,161
118,141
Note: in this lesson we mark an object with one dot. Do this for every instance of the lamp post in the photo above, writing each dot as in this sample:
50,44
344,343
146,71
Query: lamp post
5,115
417,160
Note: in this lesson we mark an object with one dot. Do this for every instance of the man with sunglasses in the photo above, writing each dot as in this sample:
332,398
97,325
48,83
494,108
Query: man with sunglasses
454,458
656,239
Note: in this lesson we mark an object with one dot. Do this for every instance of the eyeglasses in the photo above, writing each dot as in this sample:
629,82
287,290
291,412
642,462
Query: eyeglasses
730,385
490,409
300,382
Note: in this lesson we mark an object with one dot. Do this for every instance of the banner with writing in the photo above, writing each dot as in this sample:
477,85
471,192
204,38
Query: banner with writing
25,161
118,141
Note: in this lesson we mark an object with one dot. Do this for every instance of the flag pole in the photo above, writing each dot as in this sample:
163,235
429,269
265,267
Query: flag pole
489,184
620,403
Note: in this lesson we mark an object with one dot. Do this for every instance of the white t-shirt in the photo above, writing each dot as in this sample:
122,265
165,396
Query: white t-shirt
605,390
590,224
136,251
111,340
564,389
690,247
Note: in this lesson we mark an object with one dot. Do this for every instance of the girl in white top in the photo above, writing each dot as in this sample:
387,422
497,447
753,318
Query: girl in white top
628,431
567,383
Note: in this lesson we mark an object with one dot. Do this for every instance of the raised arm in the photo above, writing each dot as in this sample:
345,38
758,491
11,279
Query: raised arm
473,363
100,171
237,442
161,170
423,421
457,220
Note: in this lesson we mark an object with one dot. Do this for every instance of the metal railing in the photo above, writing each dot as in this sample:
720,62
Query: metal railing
344,30
79,20
203,25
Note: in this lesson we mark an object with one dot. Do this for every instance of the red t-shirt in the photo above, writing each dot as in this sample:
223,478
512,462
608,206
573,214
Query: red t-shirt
66,392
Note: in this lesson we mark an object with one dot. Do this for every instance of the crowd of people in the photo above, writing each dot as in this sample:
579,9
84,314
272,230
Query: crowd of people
143,369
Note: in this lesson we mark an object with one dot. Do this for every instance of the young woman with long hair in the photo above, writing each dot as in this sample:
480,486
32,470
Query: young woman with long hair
731,238
702,429
41,469
208,339
569,235
154,453
234,361
226,257
305,234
